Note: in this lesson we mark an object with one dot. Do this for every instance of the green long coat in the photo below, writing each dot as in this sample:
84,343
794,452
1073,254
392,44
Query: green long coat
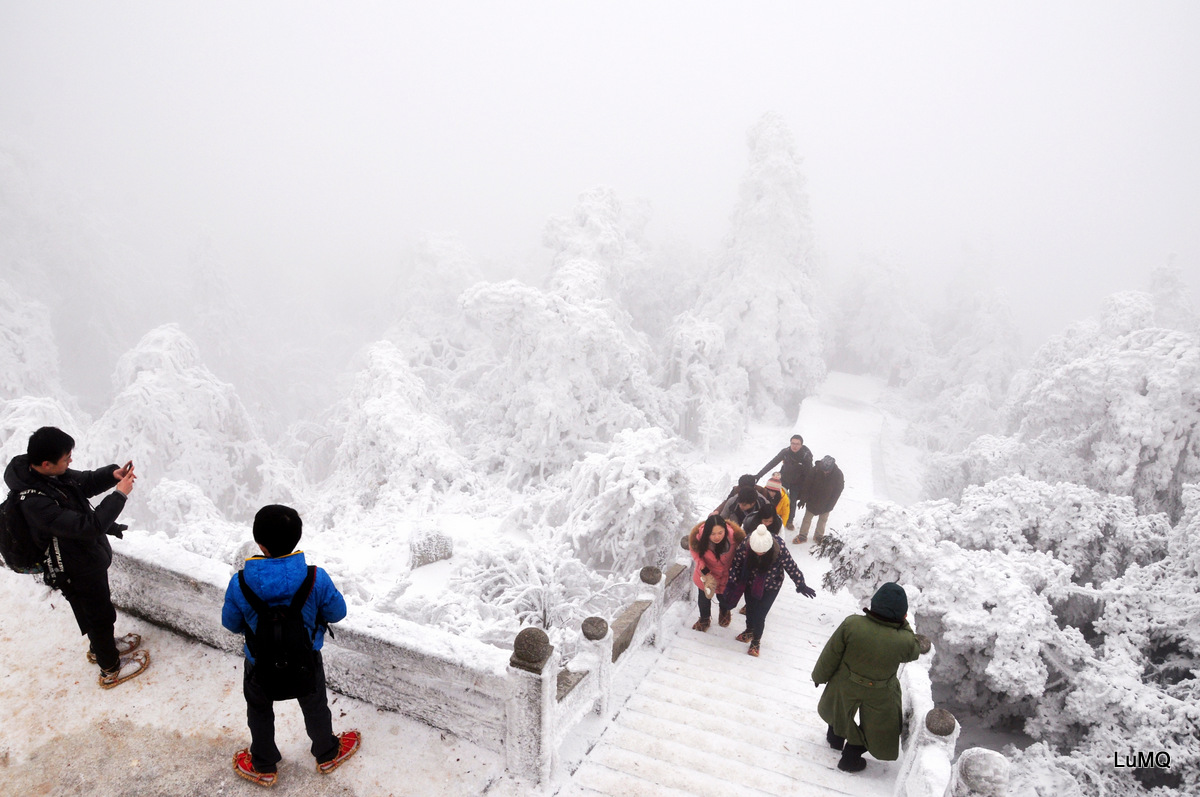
859,663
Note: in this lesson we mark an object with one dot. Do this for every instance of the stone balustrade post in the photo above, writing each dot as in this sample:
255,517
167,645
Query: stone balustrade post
925,770
655,586
600,641
533,671
979,773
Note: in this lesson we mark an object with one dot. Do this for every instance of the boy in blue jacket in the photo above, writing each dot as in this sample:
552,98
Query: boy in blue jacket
275,577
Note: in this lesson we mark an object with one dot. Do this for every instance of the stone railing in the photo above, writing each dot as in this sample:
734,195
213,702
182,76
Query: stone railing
928,767
521,705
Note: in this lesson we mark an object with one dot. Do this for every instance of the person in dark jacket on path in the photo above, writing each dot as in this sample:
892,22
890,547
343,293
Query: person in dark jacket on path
275,577
62,522
859,663
825,485
797,464
757,571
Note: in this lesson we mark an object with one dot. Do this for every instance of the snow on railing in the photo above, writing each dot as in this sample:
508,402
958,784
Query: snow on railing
927,764
522,706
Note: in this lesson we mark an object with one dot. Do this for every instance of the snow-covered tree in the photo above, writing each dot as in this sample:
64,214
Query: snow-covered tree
390,448
711,402
28,354
762,293
179,421
562,373
881,325
1114,405
1054,605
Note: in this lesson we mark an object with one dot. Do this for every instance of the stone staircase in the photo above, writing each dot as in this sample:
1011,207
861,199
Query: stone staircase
707,719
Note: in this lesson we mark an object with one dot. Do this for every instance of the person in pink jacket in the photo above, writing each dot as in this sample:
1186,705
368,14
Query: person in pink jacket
712,544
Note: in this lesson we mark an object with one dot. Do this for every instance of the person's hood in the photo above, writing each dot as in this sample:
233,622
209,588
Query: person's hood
276,580
18,476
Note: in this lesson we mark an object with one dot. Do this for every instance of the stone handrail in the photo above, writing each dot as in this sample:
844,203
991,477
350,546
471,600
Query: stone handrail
521,705
927,764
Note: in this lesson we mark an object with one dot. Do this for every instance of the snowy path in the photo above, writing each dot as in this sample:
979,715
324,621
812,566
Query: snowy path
709,719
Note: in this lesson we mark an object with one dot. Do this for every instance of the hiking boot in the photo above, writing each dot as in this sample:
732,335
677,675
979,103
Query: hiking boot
753,649
131,666
702,624
835,741
244,766
347,746
852,758
789,526
125,645
742,610
745,636
725,619
798,539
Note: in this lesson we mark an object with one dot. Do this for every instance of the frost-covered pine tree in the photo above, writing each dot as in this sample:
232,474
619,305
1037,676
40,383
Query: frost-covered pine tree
881,325
762,292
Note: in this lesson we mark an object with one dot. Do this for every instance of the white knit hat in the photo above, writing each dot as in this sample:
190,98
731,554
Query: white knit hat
761,540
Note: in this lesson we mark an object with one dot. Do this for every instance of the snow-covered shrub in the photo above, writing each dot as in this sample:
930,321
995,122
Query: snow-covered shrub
429,545
762,292
186,514
619,510
392,450
562,374
1057,606
494,591
176,420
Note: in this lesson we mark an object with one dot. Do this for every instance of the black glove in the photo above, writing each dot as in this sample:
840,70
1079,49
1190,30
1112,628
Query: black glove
806,590
117,530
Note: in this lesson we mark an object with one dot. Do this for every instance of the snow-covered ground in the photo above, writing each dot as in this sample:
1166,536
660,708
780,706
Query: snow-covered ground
174,730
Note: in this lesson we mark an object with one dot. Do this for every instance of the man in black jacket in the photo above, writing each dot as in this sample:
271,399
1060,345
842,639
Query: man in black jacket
797,464
825,486
62,522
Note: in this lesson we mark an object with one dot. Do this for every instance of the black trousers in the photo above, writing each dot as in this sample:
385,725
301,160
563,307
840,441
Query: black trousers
94,612
756,612
260,716
705,605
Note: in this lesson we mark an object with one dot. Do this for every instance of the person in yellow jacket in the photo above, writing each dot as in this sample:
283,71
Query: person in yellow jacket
783,500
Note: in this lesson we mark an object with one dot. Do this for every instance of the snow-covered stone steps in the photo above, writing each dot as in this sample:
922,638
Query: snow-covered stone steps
707,719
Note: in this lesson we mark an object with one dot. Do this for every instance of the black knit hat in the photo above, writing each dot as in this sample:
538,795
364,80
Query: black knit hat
890,602
277,528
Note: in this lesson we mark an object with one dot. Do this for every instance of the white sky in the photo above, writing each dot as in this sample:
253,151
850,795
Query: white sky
1053,142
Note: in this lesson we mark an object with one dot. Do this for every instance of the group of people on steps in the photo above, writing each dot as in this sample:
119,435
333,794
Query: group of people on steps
739,553
54,501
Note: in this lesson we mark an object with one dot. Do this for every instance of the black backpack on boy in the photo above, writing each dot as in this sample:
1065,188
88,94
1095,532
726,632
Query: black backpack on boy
285,664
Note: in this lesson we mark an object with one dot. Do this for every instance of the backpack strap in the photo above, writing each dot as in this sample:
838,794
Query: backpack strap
260,606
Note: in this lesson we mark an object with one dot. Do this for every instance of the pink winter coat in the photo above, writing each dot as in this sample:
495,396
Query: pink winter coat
717,565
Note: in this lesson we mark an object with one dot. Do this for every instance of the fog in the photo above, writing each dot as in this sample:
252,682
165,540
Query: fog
1050,145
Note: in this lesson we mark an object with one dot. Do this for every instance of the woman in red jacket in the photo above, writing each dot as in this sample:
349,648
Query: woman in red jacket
712,544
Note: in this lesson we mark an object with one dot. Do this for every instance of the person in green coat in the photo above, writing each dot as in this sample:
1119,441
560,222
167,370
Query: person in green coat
859,664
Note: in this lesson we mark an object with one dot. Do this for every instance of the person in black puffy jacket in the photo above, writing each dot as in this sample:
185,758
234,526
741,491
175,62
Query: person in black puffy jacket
825,486
74,535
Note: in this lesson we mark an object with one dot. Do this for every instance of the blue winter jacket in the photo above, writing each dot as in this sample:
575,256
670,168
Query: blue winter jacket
276,581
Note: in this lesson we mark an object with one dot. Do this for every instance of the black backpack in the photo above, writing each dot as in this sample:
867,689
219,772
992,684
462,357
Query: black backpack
16,543
285,664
